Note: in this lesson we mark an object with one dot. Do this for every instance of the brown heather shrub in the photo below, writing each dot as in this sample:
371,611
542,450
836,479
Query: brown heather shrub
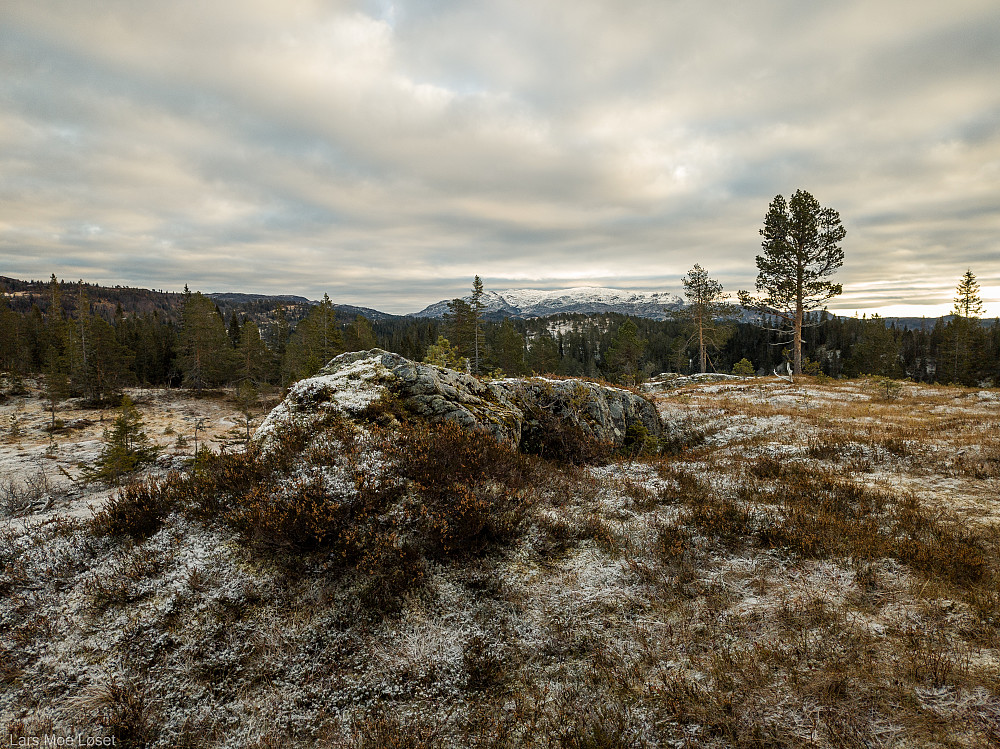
728,521
120,585
765,467
929,545
685,485
138,509
821,515
554,438
604,727
384,731
825,448
126,712
218,480
672,543
484,664
9,668
472,489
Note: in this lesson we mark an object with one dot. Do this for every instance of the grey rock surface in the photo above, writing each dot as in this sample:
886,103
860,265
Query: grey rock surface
507,409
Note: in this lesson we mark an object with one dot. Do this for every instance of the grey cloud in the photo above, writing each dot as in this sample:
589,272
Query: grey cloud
383,152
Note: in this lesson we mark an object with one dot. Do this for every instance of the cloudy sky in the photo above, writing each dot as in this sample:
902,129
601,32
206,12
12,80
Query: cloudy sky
386,152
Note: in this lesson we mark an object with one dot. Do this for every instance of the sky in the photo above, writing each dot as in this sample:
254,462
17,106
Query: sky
385,153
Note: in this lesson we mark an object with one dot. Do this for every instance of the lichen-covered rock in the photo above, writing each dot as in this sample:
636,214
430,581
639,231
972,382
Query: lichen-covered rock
510,410
601,412
352,383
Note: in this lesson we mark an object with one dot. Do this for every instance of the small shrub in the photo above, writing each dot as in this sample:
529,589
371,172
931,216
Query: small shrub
473,490
679,441
19,496
744,368
766,467
885,388
384,731
929,545
552,430
138,509
672,543
553,438
825,448
484,664
126,447
126,711
606,727
721,519
638,442
121,584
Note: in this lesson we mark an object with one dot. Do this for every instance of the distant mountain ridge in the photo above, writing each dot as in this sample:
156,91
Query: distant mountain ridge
585,300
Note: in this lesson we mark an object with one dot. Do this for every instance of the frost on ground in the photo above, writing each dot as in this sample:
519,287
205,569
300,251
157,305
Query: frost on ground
806,565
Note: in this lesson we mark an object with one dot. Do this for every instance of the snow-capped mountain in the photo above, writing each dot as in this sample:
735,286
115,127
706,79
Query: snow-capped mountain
582,299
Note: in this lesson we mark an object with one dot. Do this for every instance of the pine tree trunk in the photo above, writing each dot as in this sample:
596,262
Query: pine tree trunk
797,363
701,344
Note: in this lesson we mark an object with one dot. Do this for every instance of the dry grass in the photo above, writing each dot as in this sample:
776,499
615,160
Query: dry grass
809,566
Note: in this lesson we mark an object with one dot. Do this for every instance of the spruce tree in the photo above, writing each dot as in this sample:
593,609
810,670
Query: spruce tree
205,353
359,335
476,308
125,446
623,359
968,303
508,353
314,342
964,342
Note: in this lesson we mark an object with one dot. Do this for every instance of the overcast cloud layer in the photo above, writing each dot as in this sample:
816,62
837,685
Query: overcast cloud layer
387,152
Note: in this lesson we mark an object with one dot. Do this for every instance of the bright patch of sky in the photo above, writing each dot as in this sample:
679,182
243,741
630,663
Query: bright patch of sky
386,152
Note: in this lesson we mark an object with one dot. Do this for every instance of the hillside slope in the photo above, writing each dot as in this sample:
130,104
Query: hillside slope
803,565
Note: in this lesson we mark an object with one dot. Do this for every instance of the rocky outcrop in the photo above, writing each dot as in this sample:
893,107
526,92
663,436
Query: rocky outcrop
511,410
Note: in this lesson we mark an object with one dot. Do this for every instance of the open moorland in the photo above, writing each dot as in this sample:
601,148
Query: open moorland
808,564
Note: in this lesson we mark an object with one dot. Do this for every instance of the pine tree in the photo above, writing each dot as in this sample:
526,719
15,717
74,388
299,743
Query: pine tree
801,249
279,344
706,307
876,352
253,358
13,352
56,382
543,354
234,329
247,397
459,327
442,354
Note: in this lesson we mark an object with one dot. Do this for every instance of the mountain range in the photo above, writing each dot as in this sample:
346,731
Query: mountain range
584,300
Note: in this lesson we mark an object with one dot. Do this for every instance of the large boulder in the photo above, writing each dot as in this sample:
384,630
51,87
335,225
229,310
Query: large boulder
512,410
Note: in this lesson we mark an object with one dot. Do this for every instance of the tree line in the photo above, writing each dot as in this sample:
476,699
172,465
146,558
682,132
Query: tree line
94,350
81,353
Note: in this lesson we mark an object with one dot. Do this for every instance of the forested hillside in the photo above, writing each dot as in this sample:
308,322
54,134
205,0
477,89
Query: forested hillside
92,341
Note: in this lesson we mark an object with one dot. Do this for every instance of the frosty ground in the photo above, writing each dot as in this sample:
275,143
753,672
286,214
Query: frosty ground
807,564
